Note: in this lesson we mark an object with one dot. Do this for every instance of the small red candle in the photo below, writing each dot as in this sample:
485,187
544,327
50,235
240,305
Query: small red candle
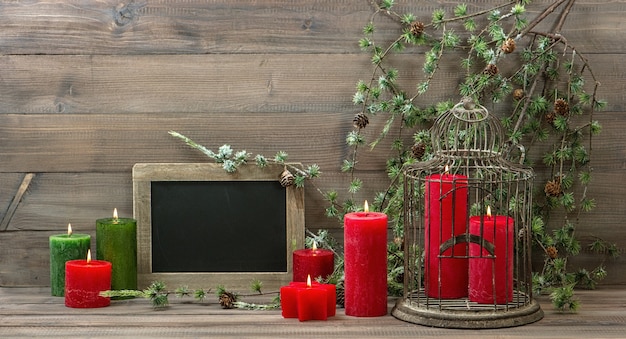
365,263
289,302
445,216
84,280
314,262
497,230
312,302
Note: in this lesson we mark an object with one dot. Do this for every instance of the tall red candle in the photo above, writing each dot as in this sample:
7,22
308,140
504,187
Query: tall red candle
84,280
497,230
445,217
365,264
314,262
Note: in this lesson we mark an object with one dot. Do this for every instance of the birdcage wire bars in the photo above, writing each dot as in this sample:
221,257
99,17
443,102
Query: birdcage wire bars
467,216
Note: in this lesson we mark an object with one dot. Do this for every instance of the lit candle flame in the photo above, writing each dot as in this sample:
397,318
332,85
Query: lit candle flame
446,169
115,214
308,280
489,211
314,246
69,230
366,207
88,256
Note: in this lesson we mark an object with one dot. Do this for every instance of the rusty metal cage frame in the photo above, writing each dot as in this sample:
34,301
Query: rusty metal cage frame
468,143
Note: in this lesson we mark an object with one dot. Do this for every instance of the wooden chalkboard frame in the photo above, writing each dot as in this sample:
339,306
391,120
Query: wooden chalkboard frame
144,174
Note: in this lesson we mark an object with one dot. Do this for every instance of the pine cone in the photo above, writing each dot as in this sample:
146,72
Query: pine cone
521,234
552,252
561,107
227,300
518,94
550,117
286,178
508,46
418,150
491,70
553,188
360,120
417,28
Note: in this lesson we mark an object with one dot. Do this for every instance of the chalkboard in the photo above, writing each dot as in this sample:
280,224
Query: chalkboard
199,226
218,226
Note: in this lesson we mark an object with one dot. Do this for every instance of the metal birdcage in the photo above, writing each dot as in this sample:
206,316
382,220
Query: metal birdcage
467,216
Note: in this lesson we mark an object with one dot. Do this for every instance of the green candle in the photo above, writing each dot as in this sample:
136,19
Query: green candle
65,247
116,242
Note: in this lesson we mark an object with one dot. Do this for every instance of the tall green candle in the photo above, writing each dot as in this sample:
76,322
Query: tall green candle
116,242
65,247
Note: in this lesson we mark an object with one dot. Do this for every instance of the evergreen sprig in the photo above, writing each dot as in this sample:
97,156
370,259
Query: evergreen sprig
158,295
549,72
231,160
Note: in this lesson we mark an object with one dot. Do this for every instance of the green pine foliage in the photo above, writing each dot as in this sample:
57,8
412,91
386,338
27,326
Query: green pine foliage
547,90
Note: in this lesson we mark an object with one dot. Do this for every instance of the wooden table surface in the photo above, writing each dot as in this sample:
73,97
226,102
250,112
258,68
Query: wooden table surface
32,312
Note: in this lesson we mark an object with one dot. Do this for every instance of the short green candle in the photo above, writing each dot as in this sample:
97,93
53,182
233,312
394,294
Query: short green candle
63,248
116,242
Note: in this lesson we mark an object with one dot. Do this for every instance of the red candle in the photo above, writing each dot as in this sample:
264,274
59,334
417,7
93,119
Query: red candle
365,263
497,230
445,216
314,262
84,280
289,303
312,302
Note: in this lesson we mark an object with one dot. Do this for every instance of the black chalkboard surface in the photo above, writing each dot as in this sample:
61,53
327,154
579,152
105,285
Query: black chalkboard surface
218,226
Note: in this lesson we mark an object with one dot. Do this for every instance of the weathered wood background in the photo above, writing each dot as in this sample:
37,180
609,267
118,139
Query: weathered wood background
89,88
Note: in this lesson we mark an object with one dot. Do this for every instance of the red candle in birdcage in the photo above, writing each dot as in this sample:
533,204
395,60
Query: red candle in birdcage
498,230
445,216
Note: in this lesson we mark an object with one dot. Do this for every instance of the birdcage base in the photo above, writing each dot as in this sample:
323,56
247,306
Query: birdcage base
462,313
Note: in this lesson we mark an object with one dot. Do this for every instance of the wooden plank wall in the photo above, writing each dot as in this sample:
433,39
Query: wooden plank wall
89,88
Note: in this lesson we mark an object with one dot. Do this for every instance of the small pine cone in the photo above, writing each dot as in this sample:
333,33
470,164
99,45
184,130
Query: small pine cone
418,150
508,46
399,241
286,178
550,117
561,107
553,188
521,234
417,28
227,300
552,252
518,94
491,70
360,120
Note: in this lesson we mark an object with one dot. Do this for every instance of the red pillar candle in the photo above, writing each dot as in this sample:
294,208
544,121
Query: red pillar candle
445,216
497,230
365,264
84,280
314,262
